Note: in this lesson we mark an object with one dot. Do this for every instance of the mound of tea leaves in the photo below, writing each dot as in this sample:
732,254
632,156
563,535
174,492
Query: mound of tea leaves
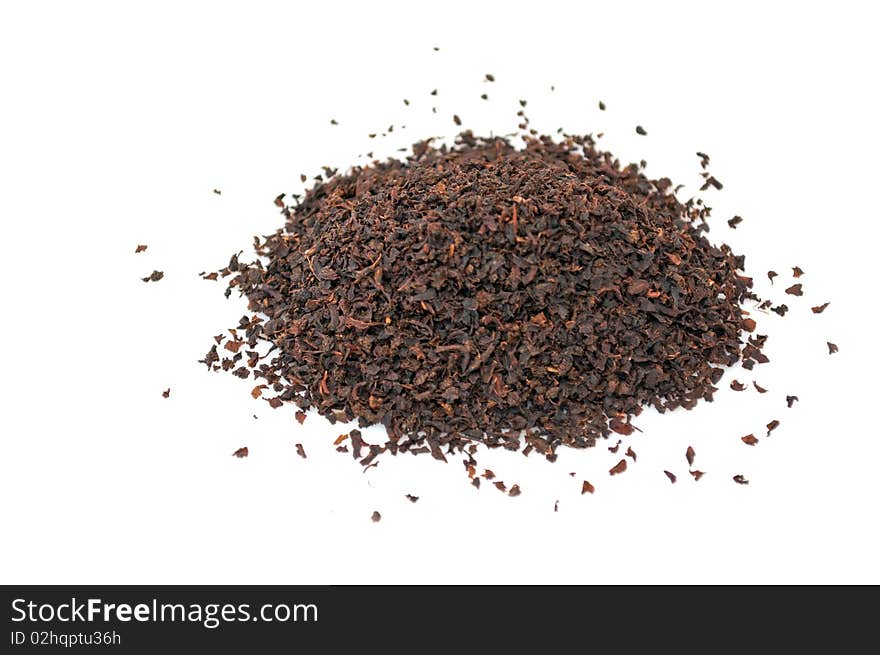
483,292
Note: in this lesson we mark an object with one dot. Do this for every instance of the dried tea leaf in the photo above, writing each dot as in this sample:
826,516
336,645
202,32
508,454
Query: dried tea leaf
500,486
488,474
818,309
257,391
620,467
167,393
155,276
795,290
739,479
758,387
640,130
672,477
300,417
697,475
790,400
514,491
601,106
750,440
412,499
587,488
733,222
631,453
140,248
796,271
771,275
690,454
781,309
241,452
772,425
736,385
376,517
490,77
300,450
615,447
832,348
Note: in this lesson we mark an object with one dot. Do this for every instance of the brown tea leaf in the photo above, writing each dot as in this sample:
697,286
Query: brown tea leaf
672,477
241,452
750,440
587,488
620,467
690,454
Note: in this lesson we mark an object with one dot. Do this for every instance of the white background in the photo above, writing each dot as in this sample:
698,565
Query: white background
118,121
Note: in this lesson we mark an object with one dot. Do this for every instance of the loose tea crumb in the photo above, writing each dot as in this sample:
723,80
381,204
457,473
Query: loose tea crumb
631,453
615,447
739,479
772,425
832,347
241,452
300,417
601,106
490,77
795,290
412,499
771,275
217,192
514,491
376,517
672,477
587,488
750,440
620,467
155,276
736,385
301,451
733,222
140,248
758,387
640,130
796,271
167,393
689,455
697,475
819,308
790,400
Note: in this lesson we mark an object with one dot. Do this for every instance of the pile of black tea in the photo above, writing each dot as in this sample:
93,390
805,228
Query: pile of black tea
524,297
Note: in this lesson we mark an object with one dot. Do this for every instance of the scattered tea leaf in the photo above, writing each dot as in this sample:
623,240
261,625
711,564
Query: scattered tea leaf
832,347
772,425
739,479
376,517
241,452
750,440
795,290
672,477
790,400
587,488
690,454
155,276
140,248
300,450
620,467
818,309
